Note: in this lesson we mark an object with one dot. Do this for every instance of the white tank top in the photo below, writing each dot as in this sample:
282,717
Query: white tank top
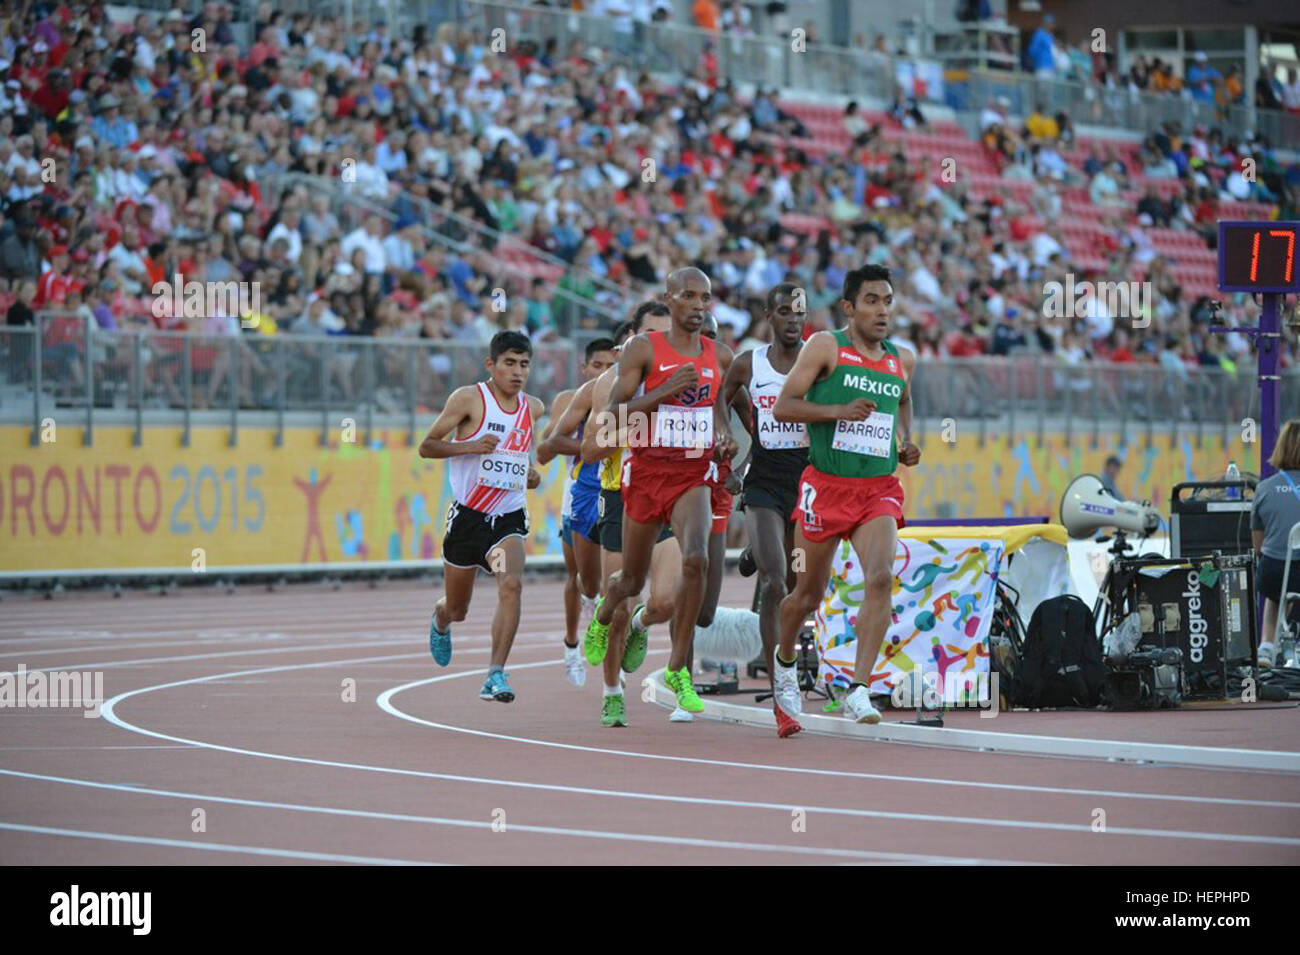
765,384
495,483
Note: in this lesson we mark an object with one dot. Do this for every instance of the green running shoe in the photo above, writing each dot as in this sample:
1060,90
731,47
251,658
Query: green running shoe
679,681
613,713
638,642
596,640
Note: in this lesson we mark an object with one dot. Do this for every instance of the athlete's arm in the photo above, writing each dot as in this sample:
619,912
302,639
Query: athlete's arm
816,359
536,408
908,453
544,451
578,408
460,408
724,444
634,365
735,381
604,437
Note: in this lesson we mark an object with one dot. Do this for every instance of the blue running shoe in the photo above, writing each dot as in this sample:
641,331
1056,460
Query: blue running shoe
496,687
439,644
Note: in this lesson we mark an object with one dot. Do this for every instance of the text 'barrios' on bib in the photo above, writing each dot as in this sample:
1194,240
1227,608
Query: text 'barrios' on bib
874,436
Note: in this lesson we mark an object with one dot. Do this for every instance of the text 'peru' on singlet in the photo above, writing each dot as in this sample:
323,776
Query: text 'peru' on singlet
495,483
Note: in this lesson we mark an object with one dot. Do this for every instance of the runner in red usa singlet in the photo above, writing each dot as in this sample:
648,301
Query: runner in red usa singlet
666,395
680,449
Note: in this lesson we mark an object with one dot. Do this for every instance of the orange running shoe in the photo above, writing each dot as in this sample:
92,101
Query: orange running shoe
785,725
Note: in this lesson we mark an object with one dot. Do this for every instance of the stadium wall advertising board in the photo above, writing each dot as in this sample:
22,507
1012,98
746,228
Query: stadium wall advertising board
67,507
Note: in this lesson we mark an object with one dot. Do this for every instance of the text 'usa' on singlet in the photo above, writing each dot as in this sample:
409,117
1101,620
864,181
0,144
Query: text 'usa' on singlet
495,483
856,449
682,426
780,447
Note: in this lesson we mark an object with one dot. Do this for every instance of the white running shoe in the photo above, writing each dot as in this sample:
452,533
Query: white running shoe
588,607
785,688
575,667
858,706
680,715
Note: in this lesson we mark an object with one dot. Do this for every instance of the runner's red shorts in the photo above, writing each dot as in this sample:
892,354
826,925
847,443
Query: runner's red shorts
652,486
721,500
831,506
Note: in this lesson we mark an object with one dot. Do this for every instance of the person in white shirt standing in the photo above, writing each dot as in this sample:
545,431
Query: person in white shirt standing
490,470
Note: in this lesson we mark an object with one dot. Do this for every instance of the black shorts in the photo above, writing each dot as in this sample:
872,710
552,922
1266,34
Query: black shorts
773,497
609,524
470,535
1268,577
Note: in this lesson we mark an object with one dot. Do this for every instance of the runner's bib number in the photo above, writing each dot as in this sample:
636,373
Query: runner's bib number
679,427
874,436
507,470
780,435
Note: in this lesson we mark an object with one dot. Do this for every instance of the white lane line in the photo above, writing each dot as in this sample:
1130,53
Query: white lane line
514,826
287,648
385,703
110,714
207,846
46,749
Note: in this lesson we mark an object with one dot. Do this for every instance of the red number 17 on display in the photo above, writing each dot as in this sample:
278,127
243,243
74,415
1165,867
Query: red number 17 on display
1290,253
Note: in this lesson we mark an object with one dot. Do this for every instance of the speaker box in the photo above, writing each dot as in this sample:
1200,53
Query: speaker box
1205,607
1203,520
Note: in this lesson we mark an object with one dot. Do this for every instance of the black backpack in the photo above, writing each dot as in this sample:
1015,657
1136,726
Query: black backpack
1061,664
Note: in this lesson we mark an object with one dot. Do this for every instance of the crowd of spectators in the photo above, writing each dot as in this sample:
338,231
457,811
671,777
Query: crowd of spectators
129,157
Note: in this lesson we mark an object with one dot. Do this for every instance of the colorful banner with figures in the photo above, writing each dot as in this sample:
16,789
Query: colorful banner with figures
115,504
945,586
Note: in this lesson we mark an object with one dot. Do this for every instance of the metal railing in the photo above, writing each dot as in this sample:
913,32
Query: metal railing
668,48
76,373
1094,105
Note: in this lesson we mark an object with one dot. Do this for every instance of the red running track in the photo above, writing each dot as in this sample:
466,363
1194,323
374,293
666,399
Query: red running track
234,705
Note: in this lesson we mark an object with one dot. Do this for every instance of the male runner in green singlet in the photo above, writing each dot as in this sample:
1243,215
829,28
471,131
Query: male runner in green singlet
851,388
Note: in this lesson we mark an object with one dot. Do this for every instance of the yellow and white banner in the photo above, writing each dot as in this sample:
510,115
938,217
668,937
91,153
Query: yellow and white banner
64,506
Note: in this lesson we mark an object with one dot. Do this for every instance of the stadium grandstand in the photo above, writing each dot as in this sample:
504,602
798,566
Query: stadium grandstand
992,356
407,192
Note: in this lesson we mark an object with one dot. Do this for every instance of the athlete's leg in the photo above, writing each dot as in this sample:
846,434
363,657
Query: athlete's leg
638,547
457,587
611,565
571,601
510,584
692,521
875,543
665,568
769,545
587,560
713,581
816,558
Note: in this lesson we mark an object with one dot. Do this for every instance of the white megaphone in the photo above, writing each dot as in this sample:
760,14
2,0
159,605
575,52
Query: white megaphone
1086,506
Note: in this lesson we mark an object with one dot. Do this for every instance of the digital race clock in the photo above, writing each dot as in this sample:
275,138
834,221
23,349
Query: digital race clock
1258,257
